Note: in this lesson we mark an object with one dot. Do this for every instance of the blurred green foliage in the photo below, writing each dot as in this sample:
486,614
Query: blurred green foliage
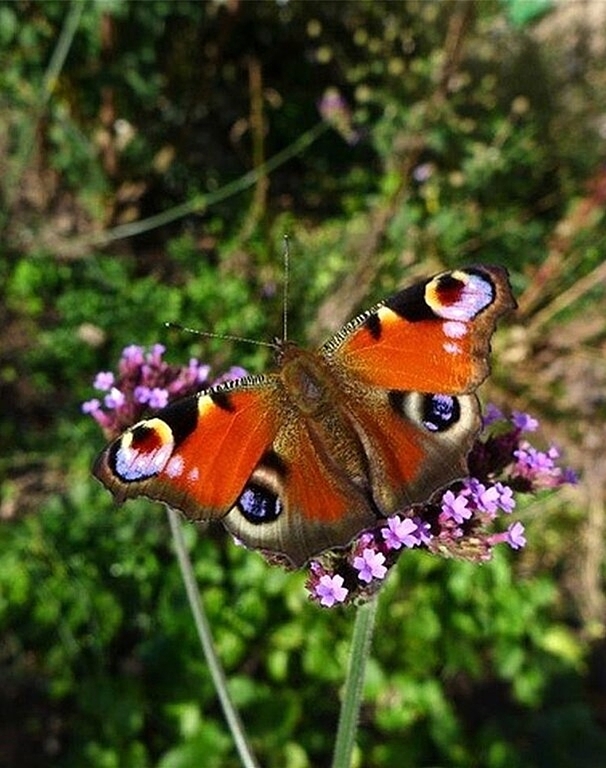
473,139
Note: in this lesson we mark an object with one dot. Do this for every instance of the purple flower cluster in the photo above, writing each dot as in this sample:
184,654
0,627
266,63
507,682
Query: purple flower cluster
458,521
145,381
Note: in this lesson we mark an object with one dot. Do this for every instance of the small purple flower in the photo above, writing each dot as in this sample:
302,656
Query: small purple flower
154,356
142,394
91,406
332,103
104,381
334,110
539,467
197,371
158,397
133,354
330,590
423,172
506,501
488,500
203,374
524,422
366,539
473,488
424,535
400,532
531,461
515,535
569,476
234,373
370,565
115,399
491,415
455,507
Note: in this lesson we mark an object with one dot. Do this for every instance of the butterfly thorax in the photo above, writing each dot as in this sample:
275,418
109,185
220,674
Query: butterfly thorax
307,380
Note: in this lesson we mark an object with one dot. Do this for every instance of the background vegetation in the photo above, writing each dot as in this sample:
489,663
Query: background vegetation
133,148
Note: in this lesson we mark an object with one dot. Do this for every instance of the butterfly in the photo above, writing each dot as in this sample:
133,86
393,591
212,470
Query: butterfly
303,459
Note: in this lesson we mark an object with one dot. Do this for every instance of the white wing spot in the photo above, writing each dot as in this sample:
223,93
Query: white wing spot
174,468
454,329
451,348
193,475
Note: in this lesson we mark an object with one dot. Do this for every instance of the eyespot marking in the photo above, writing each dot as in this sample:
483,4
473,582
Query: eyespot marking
440,412
259,505
458,295
143,451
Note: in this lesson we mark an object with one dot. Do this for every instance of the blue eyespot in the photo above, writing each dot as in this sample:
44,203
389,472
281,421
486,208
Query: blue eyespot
440,412
259,505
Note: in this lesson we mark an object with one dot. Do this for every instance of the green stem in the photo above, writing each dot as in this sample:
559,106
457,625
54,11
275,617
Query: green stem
64,43
352,695
210,653
201,202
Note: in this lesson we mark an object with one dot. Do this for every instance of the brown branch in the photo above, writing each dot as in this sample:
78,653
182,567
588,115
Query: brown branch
256,123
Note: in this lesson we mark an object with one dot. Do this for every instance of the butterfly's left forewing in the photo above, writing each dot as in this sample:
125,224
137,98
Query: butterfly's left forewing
197,453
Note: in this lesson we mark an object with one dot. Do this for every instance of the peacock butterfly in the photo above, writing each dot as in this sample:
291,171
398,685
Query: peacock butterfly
305,458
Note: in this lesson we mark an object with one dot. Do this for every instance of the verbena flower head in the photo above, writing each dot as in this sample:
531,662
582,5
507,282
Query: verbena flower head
461,521
330,589
144,382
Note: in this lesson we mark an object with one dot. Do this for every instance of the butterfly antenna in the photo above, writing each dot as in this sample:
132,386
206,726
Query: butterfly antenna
211,335
285,292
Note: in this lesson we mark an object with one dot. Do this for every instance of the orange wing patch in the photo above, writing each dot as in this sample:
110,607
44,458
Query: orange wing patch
427,356
218,457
